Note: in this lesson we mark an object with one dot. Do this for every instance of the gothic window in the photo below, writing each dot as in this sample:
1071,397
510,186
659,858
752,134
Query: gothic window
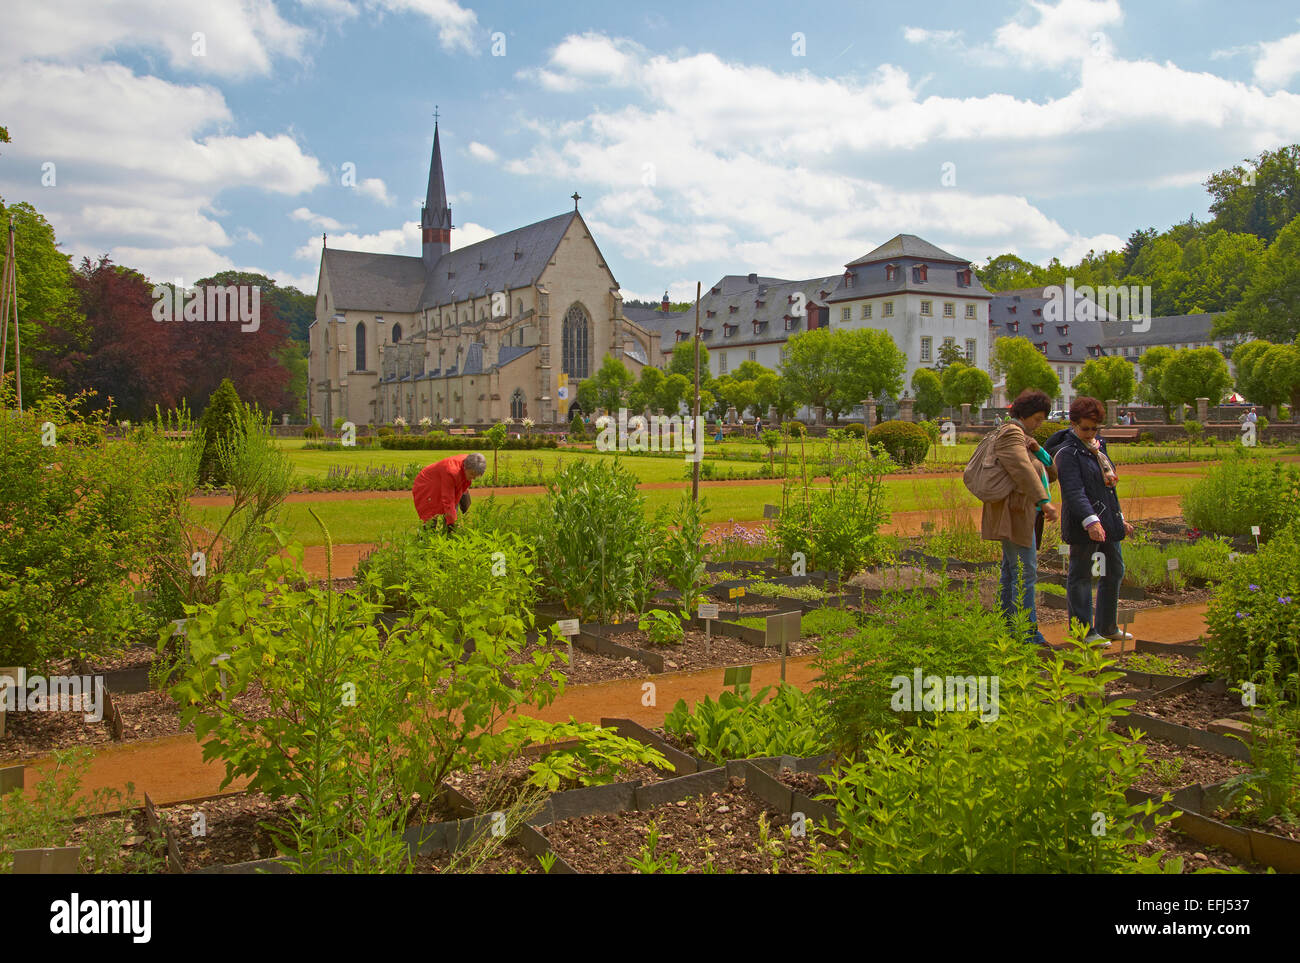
573,343
518,407
397,333
360,363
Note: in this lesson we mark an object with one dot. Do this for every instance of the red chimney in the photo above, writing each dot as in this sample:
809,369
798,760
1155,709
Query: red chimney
667,305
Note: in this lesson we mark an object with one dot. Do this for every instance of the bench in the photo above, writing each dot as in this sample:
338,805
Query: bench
1120,434
460,431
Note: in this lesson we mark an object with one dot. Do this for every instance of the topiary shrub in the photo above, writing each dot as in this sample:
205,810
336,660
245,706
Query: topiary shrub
796,428
906,442
1147,438
223,417
385,431
855,429
577,430
1047,429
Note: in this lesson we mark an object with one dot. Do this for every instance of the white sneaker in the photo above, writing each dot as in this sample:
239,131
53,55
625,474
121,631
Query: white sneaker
1092,638
1121,637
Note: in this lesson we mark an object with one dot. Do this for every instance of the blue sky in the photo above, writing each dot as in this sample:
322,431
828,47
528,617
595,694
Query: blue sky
704,139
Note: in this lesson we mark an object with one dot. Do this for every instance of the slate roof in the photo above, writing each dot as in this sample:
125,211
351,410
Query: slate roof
907,245
509,352
490,265
361,281
1009,308
1175,329
773,292
473,359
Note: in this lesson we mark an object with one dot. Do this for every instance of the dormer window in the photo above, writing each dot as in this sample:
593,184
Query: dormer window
735,308
482,265
450,275
759,325
1042,346
715,290
706,332
681,335
1067,348
1013,326
1011,309
1038,327
729,329
518,254
1038,312
891,272
791,322
920,273
1063,329
759,304
709,314
964,278
848,279
821,295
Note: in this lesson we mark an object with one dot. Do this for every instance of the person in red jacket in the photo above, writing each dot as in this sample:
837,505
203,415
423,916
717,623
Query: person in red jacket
443,486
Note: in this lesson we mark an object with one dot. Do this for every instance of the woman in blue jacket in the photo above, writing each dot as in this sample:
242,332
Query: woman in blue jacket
1091,521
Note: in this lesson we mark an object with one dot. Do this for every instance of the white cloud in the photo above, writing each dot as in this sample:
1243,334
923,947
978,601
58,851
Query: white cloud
469,233
316,220
589,58
249,235
1060,35
455,24
482,152
398,240
375,188
1077,246
922,35
240,37
1278,61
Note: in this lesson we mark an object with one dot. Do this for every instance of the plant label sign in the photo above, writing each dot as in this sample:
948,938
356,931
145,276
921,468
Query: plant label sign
736,592
771,511
567,626
708,611
1254,530
737,675
11,777
1172,565
1063,549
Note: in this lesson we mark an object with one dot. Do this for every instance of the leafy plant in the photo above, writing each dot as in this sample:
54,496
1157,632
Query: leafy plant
221,421
1038,789
1151,663
663,627
1240,491
496,436
589,755
740,725
681,558
649,861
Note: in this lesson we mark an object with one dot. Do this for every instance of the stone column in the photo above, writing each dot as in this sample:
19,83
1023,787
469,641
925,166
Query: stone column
1112,411
819,415
772,416
965,414
1203,410
905,408
869,413
731,414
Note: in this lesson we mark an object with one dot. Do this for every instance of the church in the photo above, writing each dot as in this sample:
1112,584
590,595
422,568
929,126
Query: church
474,335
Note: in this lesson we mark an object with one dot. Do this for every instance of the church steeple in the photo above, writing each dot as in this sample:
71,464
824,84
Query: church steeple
435,218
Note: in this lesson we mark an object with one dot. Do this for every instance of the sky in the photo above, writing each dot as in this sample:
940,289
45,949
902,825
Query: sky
185,137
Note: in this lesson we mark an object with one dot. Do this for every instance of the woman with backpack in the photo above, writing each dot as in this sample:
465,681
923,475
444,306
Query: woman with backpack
1011,474
1091,521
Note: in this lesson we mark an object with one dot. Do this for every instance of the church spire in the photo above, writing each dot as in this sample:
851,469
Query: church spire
435,219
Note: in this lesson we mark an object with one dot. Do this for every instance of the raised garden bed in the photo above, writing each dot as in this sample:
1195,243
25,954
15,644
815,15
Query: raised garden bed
726,647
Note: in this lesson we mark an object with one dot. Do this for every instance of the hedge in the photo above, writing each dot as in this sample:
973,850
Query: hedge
906,443
442,442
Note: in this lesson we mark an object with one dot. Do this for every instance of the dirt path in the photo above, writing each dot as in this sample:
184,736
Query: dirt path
172,769
1134,471
347,555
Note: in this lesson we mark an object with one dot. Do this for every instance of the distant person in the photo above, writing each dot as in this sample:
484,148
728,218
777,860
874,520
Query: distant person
1012,520
1091,521
443,487
758,426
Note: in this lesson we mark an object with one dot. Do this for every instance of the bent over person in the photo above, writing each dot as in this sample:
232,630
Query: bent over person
443,487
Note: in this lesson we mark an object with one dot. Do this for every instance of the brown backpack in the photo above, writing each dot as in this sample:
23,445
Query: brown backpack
984,477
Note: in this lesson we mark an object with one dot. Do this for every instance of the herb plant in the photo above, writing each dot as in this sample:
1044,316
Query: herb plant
741,725
663,627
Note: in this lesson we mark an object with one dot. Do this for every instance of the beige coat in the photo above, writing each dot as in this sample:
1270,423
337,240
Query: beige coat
1014,516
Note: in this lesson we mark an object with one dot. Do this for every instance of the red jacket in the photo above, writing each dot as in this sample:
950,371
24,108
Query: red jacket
438,488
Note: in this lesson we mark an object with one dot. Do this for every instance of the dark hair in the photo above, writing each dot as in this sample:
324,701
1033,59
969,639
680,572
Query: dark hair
1030,402
1085,407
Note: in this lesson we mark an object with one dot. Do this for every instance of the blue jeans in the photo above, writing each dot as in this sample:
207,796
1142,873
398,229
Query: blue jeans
1078,586
1020,563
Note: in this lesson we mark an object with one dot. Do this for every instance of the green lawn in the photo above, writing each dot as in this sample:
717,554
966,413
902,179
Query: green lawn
364,519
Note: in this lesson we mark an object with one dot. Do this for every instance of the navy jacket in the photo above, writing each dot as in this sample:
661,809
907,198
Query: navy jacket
1083,491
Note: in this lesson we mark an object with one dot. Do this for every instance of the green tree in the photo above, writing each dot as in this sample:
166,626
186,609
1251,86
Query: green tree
1281,366
949,354
1149,390
964,384
1195,373
811,366
872,366
1270,306
1268,374
682,361
677,388
646,392
221,420
1107,379
928,391
1023,366
1260,199
1007,272
611,384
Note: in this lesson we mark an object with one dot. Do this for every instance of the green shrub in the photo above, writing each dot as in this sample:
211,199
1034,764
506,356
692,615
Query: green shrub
837,529
597,546
931,430
1255,612
577,428
906,442
741,726
384,431
1039,788
220,421
440,441
948,633
1047,429
663,627
75,522
680,561
1147,438
855,429
797,429
1240,491
314,430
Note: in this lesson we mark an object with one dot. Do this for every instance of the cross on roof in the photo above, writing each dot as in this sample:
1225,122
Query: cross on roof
576,197
435,114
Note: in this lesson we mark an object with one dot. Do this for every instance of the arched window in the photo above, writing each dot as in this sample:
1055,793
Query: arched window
397,333
518,406
573,343
360,363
